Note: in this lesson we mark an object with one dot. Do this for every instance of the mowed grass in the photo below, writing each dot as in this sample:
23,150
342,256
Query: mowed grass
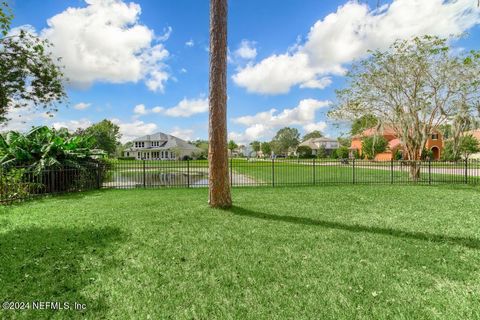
336,252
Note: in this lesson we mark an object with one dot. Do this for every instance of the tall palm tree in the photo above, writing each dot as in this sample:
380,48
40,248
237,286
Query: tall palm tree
218,184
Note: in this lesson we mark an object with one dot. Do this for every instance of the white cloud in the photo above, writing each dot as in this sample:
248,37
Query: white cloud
185,108
246,50
347,34
105,42
73,125
190,43
188,107
183,70
185,134
264,124
320,126
134,129
140,109
81,106
23,119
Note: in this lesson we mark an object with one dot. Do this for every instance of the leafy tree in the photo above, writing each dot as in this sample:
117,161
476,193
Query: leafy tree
29,75
255,145
219,182
203,146
321,153
304,152
342,152
232,146
468,146
285,139
313,134
345,141
414,87
266,149
106,135
373,145
363,122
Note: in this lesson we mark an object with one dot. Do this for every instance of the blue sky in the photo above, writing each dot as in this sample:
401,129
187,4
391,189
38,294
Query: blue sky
144,64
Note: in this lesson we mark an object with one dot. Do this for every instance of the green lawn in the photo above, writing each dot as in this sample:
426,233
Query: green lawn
336,252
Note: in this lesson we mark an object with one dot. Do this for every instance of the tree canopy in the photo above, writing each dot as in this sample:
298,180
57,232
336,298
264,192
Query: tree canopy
363,122
313,134
29,75
106,135
285,139
414,87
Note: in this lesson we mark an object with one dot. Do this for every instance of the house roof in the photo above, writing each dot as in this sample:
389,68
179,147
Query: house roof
168,140
311,143
394,144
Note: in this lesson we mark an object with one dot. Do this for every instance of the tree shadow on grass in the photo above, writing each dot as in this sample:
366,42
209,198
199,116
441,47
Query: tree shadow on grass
425,236
55,264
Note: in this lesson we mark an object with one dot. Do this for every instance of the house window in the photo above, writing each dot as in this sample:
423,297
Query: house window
435,136
128,154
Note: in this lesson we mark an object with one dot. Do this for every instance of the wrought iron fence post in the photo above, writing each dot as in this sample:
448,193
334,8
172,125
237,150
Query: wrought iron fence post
231,171
144,174
391,171
429,171
188,173
353,171
313,171
98,176
273,172
466,171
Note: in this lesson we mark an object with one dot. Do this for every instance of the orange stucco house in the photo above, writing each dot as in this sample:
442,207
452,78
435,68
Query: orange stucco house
434,143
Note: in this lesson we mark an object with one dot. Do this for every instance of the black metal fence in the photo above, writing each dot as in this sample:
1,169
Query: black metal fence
22,183
243,172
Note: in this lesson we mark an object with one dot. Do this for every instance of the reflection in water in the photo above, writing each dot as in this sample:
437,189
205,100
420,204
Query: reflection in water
133,179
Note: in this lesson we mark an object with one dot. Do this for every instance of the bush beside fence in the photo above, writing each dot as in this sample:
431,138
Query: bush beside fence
23,183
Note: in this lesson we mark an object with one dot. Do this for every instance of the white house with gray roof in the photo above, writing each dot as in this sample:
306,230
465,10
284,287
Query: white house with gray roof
160,146
316,143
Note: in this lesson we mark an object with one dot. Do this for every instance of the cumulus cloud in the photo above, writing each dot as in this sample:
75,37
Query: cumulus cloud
23,119
105,42
81,106
141,110
134,129
73,125
188,107
190,43
246,50
185,108
348,34
185,134
264,124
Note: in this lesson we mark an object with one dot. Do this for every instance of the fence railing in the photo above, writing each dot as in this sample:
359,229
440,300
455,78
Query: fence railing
242,172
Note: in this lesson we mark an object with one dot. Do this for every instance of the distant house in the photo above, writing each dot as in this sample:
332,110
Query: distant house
328,144
434,143
160,146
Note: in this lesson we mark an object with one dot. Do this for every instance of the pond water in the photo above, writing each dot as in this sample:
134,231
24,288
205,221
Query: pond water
155,179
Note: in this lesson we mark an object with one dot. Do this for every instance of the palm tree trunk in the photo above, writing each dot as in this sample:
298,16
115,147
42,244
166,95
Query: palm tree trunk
219,184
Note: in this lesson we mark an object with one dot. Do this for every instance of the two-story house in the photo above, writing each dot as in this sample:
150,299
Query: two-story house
434,143
329,145
160,146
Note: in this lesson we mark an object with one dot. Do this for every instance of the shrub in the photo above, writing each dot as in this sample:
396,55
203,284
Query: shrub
126,158
342,152
371,146
12,185
304,152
